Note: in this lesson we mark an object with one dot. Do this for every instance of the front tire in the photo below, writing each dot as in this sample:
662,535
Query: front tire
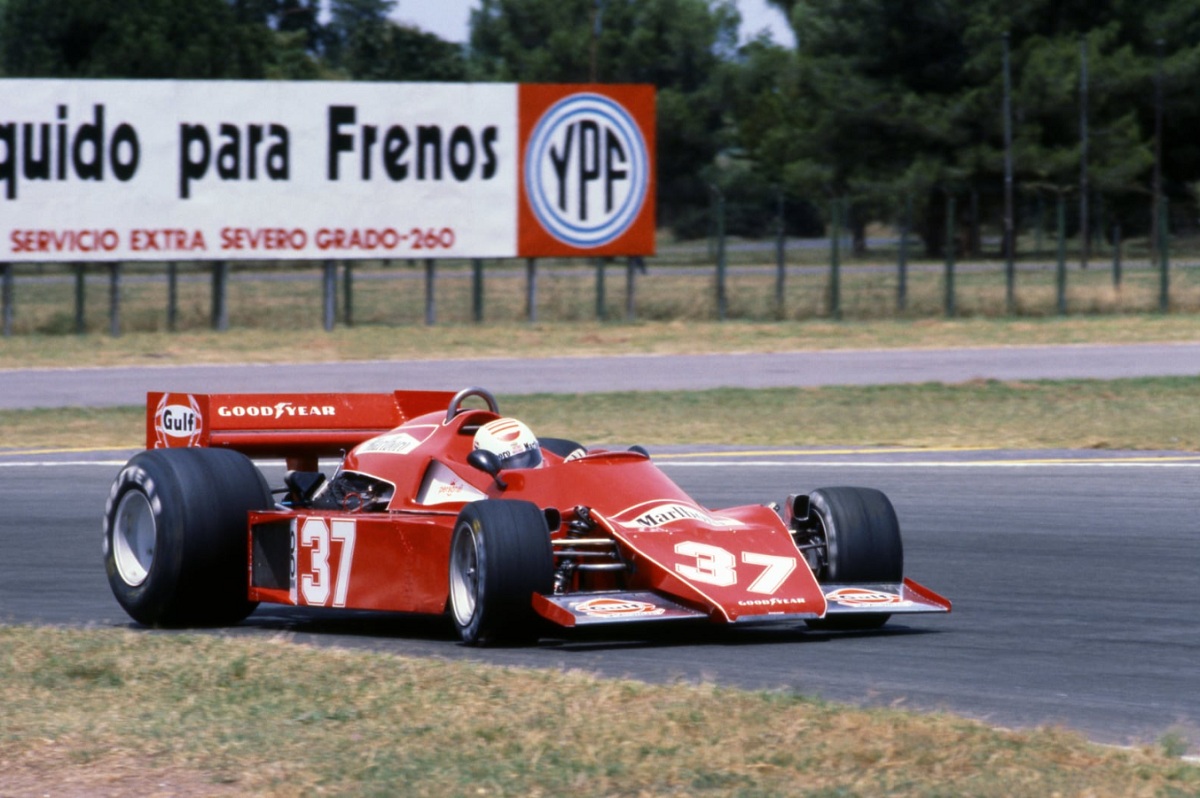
175,536
500,555
858,540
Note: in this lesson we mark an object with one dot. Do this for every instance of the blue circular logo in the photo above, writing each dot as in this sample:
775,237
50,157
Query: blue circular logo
586,170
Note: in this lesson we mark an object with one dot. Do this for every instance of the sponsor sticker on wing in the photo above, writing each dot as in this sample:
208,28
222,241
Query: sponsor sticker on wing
608,607
279,411
776,604
650,515
397,443
865,597
177,421
443,486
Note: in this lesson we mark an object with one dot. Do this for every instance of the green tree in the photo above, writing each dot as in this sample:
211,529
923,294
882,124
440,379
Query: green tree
147,39
3,16
411,54
285,16
866,110
887,98
362,43
1048,43
355,32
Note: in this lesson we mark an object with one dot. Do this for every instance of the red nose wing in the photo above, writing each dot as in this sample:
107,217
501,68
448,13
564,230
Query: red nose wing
744,571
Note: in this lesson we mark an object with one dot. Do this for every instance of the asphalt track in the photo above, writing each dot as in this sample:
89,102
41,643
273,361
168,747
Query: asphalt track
21,388
1073,576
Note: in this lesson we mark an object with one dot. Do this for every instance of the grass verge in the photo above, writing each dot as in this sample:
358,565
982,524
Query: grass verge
281,344
1150,413
112,712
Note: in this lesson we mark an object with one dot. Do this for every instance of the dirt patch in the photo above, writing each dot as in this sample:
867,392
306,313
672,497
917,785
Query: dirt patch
47,770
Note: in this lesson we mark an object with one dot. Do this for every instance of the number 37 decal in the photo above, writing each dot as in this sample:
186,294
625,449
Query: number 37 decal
713,565
322,580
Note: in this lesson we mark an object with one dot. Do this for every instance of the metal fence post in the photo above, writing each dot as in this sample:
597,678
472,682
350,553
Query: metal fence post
329,294
1084,237
1010,239
172,295
430,292
348,293
220,309
780,259
6,298
1164,258
531,290
601,311
477,290
1061,269
948,299
722,299
1116,274
80,298
114,299
902,257
1040,230
835,265
632,266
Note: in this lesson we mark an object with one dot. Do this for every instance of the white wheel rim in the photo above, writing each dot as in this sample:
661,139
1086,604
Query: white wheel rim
134,538
464,577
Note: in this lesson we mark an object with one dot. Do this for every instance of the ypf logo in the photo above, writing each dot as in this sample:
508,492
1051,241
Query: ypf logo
587,170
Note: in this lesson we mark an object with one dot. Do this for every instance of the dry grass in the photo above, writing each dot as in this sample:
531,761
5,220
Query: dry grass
209,715
281,345
1159,413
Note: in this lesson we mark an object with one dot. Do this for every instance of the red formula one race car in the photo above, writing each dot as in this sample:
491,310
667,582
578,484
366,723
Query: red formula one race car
441,507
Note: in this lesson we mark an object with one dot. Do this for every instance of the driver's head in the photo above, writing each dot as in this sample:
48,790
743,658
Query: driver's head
511,441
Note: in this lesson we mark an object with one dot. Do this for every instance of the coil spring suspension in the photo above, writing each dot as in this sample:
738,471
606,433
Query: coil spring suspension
583,550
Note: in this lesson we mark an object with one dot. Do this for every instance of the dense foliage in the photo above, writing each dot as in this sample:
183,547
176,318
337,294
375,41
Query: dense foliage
890,100
882,106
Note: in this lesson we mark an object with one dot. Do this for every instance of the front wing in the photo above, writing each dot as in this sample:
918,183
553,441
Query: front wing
628,606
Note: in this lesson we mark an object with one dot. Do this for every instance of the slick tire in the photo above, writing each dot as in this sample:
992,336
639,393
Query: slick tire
862,541
175,530
500,555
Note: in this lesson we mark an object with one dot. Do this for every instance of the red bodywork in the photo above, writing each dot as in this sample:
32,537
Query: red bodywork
667,557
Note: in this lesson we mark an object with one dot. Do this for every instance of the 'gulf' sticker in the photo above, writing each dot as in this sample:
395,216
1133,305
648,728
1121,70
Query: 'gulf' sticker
178,421
610,607
864,597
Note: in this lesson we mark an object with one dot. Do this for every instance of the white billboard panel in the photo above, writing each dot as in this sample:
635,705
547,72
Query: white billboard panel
182,170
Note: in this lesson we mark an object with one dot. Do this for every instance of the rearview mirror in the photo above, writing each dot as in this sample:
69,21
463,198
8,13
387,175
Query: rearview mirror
488,463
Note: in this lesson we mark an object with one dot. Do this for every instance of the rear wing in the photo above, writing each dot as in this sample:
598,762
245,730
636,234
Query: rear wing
298,426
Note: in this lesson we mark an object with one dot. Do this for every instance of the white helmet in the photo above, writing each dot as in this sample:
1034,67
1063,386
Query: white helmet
511,441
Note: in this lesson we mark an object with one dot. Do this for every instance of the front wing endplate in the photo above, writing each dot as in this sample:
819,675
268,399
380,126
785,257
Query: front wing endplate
907,596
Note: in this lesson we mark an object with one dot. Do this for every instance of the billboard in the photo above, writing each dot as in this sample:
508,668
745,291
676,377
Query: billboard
122,170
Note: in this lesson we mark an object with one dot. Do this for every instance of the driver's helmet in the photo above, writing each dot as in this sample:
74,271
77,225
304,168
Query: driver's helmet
512,441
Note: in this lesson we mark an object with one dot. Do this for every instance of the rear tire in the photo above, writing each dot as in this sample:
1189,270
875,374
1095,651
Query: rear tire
175,531
861,536
500,555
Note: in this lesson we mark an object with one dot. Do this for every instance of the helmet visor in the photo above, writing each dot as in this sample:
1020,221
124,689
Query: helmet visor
530,458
